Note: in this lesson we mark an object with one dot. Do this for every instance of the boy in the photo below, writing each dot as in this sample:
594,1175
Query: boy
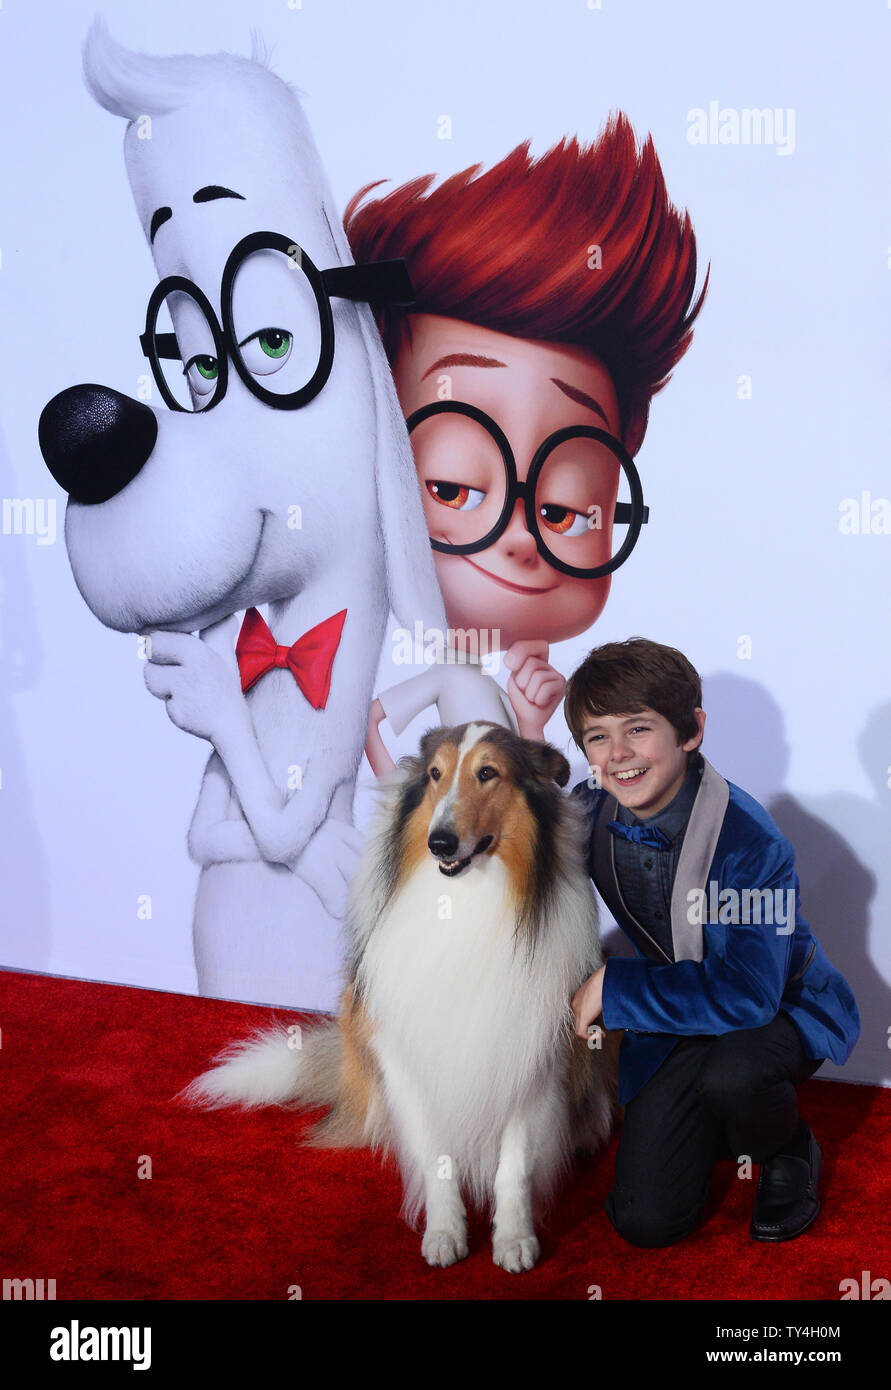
729,1001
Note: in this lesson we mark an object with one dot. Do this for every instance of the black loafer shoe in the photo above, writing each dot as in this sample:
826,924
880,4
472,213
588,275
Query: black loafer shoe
787,1199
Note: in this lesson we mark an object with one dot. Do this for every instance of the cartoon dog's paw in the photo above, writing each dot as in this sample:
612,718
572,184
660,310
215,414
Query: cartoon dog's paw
444,1247
328,863
517,1253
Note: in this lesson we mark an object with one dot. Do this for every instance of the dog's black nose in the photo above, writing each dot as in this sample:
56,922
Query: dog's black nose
443,843
94,440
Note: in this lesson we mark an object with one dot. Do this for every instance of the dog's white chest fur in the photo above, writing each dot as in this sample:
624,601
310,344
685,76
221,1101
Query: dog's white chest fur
457,1008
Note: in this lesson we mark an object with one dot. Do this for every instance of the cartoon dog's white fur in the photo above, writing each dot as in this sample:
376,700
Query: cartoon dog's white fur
201,533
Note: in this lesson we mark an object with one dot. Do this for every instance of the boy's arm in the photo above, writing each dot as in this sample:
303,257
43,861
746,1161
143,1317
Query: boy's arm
740,981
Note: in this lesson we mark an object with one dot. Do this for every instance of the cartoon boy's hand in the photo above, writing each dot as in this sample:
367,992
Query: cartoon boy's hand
535,688
201,690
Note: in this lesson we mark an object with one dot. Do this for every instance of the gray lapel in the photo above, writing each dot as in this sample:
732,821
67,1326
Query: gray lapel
697,853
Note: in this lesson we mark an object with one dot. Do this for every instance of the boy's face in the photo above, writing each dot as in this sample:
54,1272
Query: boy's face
531,389
639,758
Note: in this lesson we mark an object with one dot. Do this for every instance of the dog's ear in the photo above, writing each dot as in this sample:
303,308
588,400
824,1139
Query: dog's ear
548,762
411,578
430,741
414,766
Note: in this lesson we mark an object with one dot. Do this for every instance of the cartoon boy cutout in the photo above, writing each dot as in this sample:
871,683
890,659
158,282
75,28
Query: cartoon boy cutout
551,295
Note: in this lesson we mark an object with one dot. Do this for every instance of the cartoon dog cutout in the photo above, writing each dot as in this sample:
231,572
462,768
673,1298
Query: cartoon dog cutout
281,406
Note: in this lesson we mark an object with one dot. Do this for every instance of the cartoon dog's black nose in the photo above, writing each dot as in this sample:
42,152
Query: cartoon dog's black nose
443,843
94,440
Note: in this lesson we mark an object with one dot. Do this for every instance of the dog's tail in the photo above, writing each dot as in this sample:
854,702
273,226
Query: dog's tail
274,1066
593,1090
325,1065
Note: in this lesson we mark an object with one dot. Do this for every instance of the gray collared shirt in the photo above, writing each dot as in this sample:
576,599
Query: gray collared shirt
646,874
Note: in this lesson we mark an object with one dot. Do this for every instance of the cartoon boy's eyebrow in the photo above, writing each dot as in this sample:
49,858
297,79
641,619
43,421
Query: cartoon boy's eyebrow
580,397
201,195
469,359
462,359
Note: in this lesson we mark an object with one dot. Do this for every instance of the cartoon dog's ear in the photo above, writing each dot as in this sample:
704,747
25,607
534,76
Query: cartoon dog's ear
411,578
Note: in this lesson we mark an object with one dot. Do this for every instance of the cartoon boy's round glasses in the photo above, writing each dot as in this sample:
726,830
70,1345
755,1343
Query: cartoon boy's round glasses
469,484
277,324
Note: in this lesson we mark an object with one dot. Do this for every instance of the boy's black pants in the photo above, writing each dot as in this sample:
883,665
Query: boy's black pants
714,1096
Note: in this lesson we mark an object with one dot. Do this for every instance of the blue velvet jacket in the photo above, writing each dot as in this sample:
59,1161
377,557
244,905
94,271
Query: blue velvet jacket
741,953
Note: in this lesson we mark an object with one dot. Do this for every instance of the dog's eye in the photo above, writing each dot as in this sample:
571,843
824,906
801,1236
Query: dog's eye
267,351
203,373
486,773
435,774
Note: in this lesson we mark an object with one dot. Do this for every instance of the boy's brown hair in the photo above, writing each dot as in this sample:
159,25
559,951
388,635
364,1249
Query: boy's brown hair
625,677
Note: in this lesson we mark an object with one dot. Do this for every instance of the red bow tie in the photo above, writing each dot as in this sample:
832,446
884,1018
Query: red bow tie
310,658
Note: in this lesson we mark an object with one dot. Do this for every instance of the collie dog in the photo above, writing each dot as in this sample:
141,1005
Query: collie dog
472,923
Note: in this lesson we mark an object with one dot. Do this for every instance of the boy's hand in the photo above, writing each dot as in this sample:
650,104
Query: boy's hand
587,1002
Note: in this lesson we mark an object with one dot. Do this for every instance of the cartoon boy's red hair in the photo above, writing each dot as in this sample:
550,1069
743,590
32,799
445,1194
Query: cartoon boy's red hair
510,249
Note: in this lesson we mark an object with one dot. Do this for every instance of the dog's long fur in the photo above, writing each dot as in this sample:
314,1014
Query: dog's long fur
454,1050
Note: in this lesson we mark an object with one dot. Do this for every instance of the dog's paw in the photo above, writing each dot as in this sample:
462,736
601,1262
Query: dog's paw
516,1254
444,1247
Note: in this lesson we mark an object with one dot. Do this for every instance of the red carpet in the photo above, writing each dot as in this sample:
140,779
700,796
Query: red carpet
235,1210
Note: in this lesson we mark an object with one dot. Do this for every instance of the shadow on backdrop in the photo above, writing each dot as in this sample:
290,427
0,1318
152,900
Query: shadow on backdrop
839,840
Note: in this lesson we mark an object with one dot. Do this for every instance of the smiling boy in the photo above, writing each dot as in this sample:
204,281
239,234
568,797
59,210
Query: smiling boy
729,1001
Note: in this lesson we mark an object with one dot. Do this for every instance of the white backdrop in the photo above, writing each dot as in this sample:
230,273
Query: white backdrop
746,492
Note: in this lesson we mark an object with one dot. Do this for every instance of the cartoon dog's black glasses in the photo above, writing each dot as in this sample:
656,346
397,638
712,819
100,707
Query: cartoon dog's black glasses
469,485
277,324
